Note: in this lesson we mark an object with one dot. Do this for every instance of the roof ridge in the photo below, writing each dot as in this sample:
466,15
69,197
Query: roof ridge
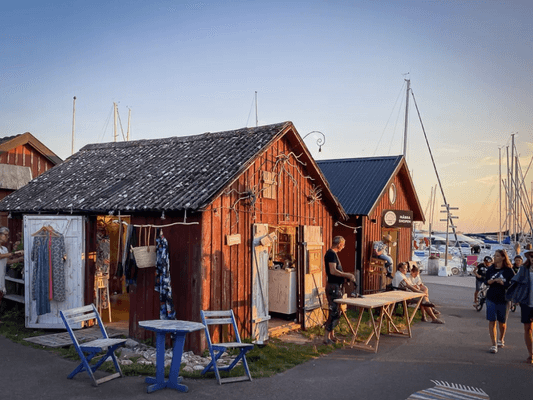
184,139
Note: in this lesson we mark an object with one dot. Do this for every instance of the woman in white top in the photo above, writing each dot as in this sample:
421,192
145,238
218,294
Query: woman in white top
416,281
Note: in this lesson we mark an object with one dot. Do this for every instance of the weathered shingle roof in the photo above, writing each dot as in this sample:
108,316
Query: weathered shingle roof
7,138
359,182
145,175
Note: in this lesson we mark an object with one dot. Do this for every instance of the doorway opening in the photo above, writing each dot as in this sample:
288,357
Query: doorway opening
111,296
283,280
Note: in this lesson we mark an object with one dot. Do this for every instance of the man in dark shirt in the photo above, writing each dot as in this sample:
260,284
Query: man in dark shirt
336,277
480,272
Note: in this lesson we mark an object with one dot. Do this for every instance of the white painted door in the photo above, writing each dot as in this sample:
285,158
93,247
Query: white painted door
73,230
260,315
313,287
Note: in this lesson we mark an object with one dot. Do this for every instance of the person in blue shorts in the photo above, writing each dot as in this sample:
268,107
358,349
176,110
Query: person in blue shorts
498,277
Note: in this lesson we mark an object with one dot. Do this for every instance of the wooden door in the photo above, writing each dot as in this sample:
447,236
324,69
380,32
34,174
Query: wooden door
260,255
73,230
314,292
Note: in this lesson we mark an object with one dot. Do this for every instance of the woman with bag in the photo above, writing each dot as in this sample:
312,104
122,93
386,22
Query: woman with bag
520,292
498,278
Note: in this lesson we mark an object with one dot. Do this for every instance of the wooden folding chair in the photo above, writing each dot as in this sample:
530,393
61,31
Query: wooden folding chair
88,350
217,349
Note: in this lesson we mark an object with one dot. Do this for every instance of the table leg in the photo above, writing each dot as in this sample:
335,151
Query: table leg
173,378
159,381
361,311
376,329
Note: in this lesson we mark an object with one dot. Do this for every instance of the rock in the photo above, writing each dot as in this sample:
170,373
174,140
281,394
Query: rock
131,344
126,362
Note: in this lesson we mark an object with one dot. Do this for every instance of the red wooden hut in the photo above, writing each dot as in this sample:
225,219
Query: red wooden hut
380,199
247,213
22,158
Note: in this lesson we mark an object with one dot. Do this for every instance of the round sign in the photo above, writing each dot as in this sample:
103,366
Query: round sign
389,218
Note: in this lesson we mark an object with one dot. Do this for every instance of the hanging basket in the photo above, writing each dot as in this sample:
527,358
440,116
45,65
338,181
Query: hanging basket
145,255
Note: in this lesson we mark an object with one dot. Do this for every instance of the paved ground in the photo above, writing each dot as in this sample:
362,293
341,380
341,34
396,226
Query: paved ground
455,353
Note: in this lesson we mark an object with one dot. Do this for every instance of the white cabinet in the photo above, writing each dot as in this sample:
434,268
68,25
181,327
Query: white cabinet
282,291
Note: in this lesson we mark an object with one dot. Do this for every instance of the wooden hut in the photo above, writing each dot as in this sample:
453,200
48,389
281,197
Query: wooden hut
22,158
380,199
237,208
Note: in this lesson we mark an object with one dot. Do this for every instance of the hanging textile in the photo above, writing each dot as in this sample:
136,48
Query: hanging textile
162,280
102,250
48,278
130,266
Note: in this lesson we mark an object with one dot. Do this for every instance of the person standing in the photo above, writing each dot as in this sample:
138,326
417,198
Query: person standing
517,263
525,277
479,272
6,258
336,277
498,278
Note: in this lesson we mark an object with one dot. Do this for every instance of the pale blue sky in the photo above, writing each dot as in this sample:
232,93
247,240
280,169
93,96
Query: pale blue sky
333,66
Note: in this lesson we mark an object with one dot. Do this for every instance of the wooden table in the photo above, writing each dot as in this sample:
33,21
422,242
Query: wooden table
179,329
384,303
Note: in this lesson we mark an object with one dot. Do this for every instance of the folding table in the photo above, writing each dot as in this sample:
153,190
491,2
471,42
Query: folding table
384,303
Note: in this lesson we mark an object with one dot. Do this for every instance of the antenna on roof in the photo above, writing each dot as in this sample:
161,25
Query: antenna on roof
256,108
73,123
115,121
129,123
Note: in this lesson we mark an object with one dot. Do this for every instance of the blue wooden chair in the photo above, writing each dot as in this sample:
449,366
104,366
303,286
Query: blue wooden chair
88,350
210,318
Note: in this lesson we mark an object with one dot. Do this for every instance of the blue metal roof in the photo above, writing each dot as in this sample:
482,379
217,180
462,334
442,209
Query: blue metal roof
359,182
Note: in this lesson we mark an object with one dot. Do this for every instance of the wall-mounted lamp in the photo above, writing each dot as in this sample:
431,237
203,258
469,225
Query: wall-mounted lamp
320,141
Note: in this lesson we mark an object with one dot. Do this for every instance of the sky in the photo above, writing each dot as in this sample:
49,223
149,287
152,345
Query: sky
337,67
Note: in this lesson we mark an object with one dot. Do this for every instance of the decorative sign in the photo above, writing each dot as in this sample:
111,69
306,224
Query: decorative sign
269,239
397,219
233,239
315,261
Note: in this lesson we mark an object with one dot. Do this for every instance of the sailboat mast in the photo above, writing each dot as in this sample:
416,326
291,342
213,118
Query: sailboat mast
406,118
500,194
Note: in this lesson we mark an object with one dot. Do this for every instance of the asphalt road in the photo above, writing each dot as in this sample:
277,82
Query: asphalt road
455,355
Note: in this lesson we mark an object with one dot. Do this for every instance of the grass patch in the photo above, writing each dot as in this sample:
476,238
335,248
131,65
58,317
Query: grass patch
272,358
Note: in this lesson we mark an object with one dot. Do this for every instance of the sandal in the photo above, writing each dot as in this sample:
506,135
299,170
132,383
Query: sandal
501,343
493,349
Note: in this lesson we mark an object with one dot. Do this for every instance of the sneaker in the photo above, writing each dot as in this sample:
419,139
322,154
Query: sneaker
493,349
437,321
501,343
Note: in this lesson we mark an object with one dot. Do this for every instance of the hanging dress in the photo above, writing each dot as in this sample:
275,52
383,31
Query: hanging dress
48,278
162,280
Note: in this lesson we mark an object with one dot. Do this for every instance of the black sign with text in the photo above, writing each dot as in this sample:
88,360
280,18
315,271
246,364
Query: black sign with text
397,219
